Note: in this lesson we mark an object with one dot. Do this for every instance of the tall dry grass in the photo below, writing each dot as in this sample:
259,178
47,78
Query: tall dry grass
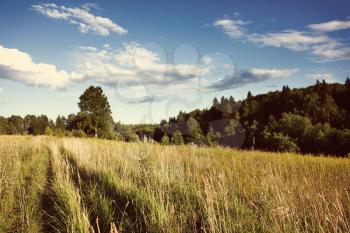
222,190
89,185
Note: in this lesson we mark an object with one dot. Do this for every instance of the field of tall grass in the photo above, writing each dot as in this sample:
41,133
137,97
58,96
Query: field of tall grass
71,185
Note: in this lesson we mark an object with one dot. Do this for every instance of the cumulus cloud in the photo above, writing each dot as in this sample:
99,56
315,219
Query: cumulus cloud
330,26
322,76
232,28
132,65
319,45
251,76
19,66
81,17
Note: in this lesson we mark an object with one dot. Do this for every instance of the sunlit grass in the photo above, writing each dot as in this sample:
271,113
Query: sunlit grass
104,186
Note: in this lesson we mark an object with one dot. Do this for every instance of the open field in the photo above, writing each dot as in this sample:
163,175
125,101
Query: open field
52,184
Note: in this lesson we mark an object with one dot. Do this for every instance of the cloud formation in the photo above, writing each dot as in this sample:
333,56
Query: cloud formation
19,66
233,28
251,76
321,46
81,17
318,44
132,65
330,26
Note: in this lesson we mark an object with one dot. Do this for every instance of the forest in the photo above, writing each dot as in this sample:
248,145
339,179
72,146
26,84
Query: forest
312,120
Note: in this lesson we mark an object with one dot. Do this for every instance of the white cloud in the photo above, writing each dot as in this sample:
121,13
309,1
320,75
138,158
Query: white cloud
133,65
272,73
81,17
88,48
232,28
322,76
290,39
320,45
19,66
330,26
251,76
106,46
0,90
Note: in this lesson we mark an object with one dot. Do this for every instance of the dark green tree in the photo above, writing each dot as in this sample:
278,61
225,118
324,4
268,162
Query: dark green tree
96,110
3,125
15,125
60,122
195,134
249,95
36,124
347,83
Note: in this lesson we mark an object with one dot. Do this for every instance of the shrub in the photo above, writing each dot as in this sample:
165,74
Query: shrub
165,140
132,138
48,131
177,138
79,133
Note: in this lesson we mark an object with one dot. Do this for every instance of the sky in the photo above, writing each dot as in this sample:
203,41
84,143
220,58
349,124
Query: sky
156,58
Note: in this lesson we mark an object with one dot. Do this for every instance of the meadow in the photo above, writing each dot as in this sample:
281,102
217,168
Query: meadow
50,184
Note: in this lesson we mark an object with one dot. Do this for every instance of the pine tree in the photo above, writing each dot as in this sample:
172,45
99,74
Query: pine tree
215,102
249,95
347,83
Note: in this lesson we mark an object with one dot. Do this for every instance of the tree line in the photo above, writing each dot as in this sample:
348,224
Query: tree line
312,120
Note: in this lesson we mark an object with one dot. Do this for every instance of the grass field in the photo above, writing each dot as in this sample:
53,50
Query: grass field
88,185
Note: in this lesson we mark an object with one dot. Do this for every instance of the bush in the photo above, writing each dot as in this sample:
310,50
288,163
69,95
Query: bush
177,138
48,131
132,138
283,143
279,142
58,132
118,136
165,140
79,133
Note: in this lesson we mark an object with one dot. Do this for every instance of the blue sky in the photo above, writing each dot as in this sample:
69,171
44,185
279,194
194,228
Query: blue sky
156,58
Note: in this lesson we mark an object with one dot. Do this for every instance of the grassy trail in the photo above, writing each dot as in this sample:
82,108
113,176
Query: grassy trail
22,181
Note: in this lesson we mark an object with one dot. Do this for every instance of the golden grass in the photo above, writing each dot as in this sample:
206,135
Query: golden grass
108,186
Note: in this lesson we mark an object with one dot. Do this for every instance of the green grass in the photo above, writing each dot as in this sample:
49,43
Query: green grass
23,166
89,185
